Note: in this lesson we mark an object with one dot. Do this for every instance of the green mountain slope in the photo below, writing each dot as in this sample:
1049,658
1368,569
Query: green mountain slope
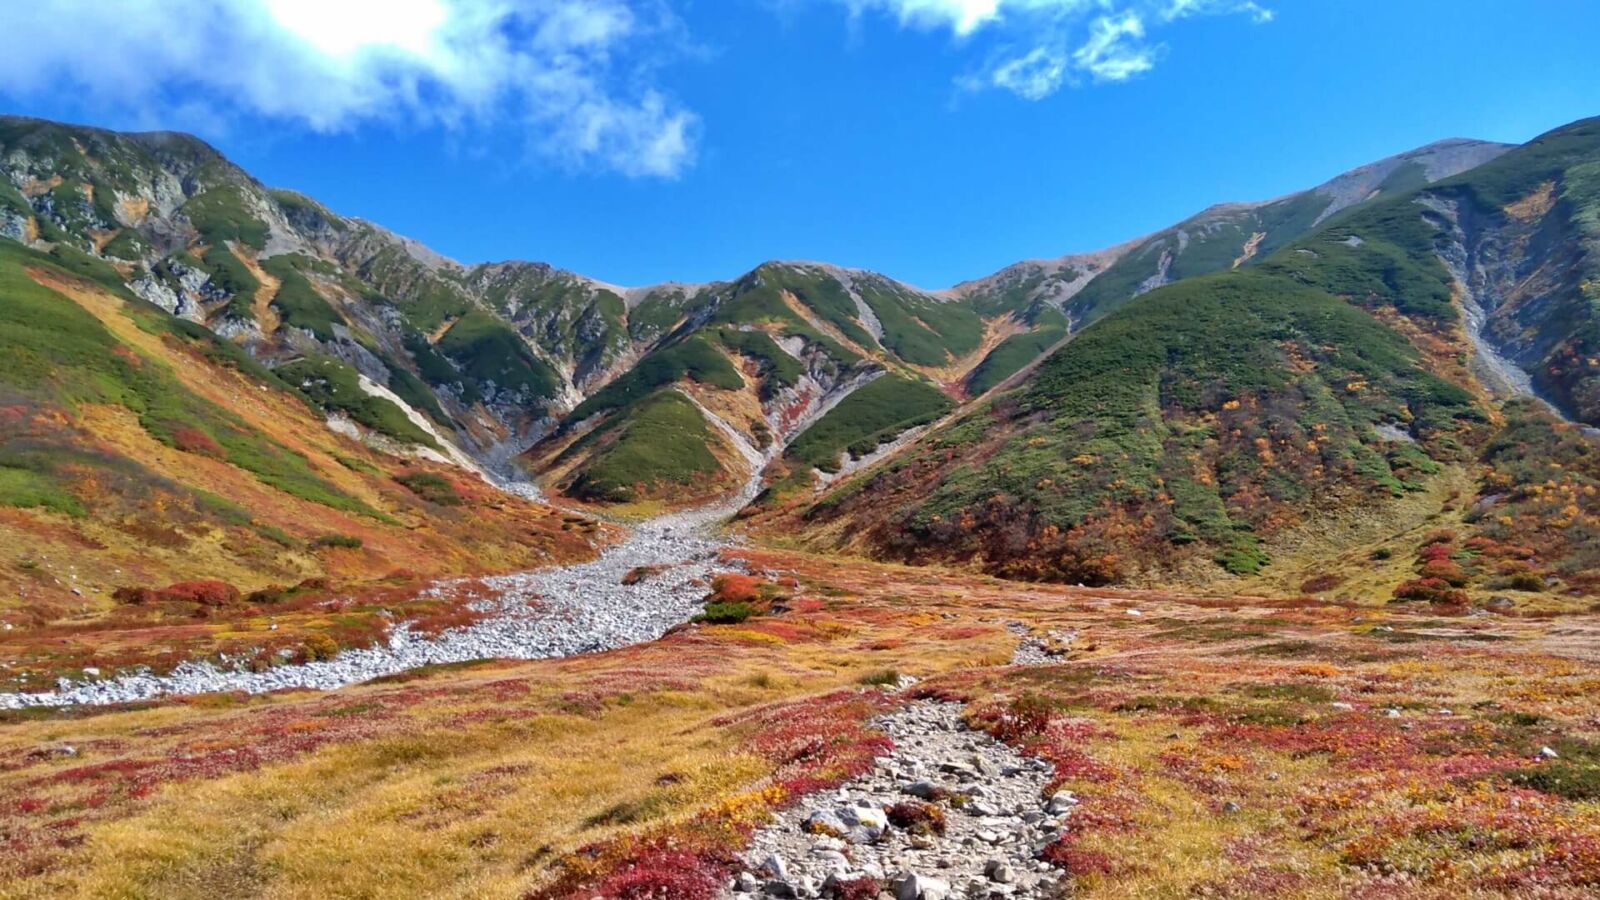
1209,417
503,355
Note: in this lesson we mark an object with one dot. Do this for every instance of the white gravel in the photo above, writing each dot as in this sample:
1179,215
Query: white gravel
576,609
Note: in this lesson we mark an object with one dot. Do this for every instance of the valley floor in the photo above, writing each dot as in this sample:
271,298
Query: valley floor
1214,747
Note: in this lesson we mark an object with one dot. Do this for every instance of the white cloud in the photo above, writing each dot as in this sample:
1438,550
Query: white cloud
1034,76
574,75
1115,50
1039,45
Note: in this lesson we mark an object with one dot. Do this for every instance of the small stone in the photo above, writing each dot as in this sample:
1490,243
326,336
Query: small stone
923,790
824,821
999,870
774,865
746,883
1391,713
1061,802
1548,753
1230,807
781,889
1341,705
1500,603
910,886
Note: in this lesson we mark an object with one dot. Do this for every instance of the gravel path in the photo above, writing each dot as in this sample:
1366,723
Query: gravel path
995,821
950,813
533,615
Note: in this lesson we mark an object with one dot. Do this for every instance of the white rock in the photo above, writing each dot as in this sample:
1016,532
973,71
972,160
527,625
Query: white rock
910,886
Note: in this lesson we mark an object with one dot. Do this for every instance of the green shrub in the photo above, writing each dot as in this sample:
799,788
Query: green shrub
430,487
725,613
345,541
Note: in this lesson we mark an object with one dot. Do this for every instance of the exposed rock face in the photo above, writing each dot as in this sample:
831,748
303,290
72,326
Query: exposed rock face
1520,275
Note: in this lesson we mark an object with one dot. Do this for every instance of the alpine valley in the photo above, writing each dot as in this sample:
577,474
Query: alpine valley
1254,557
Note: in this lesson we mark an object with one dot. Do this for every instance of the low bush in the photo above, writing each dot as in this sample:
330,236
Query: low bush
1430,590
734,587
346,541
430,487
882,678
205,593
1319,583
134,596
917,818
725,613
864,888
317,648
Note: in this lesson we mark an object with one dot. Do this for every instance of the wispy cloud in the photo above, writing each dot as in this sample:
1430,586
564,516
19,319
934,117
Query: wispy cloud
1034,47
575,77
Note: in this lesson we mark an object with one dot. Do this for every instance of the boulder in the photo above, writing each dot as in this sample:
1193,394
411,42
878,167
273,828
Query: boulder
911,886
1000,871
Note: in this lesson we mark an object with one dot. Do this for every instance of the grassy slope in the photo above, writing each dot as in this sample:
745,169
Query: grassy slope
487,351
871,415
335,386
137,449
663,446
1152,431
1011,356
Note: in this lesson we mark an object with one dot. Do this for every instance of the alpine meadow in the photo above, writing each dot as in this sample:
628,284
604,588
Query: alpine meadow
1258,556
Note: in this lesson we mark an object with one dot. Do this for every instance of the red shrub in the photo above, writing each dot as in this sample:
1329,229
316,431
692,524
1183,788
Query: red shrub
193,440
661,874
1434,552
855,889
733,587
917,818
1075,860
205,593
1430,590
1444,570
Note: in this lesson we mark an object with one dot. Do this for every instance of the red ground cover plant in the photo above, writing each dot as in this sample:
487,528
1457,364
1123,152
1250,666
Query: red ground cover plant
193,440
814,744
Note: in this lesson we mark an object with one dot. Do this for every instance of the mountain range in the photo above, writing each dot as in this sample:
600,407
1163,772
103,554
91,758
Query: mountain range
1182,406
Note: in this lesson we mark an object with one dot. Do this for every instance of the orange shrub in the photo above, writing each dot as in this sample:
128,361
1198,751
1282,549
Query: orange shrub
205,593
734,587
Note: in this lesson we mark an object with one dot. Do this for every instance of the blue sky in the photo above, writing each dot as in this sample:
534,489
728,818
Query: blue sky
934,140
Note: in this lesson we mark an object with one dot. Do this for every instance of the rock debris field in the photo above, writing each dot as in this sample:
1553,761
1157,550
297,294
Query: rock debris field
532,615
951,813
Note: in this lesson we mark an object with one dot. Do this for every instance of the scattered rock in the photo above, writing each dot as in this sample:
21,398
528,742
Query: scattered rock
999,870
582,608
910,886
993,824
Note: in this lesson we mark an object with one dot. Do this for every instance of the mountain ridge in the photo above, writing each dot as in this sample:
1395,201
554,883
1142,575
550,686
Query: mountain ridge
509,355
